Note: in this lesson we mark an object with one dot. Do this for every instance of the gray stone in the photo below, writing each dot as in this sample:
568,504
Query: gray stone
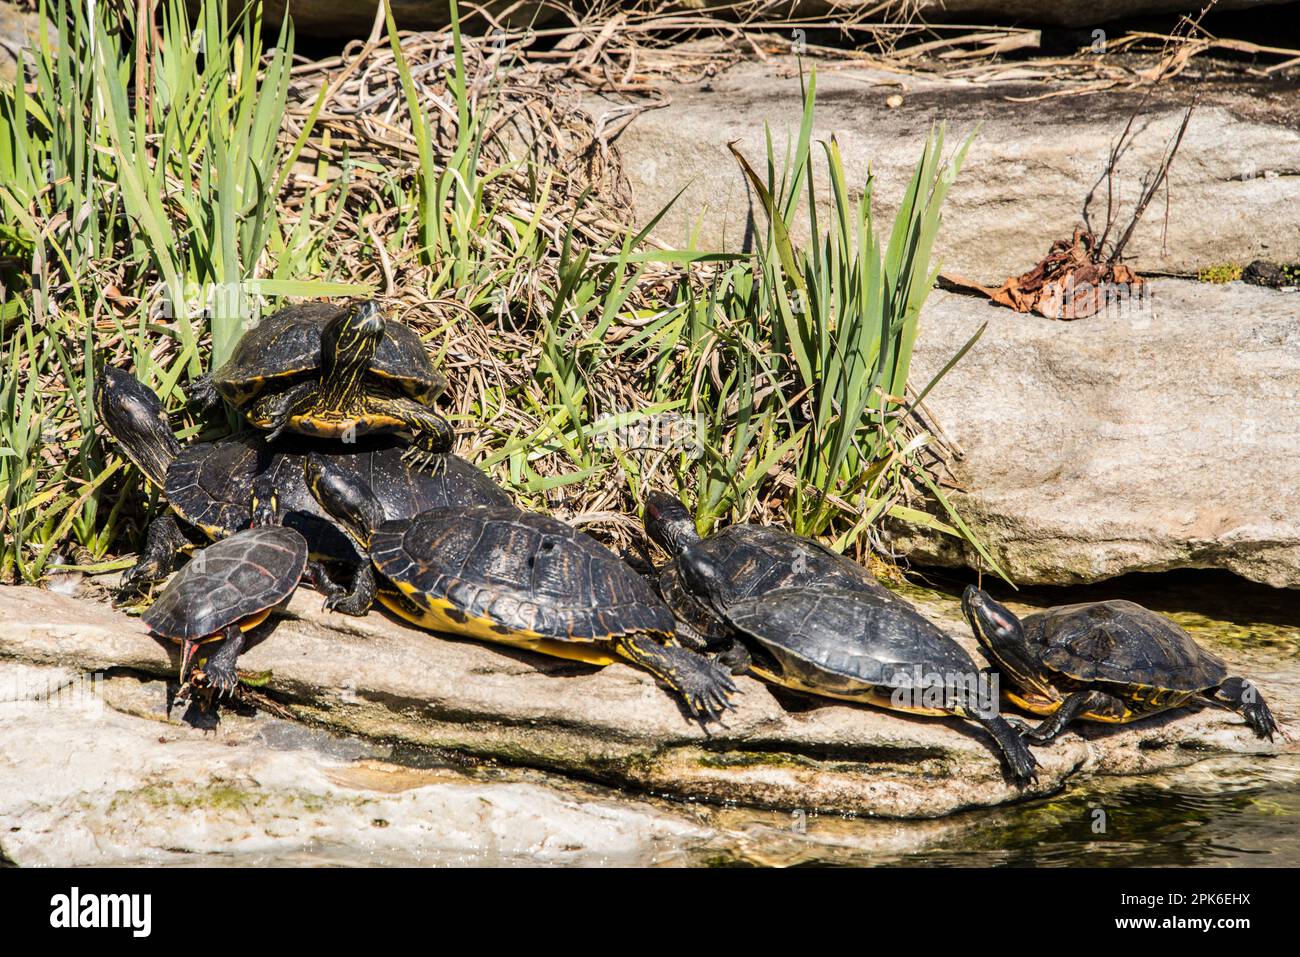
1162,434
90,784
1234,192
1001,12
20,31
385,681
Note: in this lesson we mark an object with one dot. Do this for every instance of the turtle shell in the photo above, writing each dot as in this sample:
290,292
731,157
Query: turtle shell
286,345
757,559
519,571
1121,642
210,485
837,640
754,560
229,581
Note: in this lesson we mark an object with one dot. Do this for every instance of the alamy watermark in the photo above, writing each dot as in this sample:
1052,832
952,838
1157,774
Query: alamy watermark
75,909
921,688
664,431
25,692
195,300
1120,301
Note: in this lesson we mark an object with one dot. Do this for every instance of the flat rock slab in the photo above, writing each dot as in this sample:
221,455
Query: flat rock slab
101,779
1163,434
379,679
1234,187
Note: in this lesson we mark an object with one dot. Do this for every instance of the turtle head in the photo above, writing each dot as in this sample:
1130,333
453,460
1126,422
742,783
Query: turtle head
1001,635
348,343
136,420
668,522
705,580
344,497
191,649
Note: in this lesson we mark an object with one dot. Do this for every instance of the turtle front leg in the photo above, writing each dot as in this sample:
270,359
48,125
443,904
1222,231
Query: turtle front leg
1241,695
278,408
322,580
728,652
433,433
164,540
705,686
1081,702
203,393
735,657
357,599
1020,761
219,670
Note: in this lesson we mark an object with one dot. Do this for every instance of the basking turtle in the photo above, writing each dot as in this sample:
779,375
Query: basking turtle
1110,661
517,578
229,588
745,561
330,372
214,487
857,646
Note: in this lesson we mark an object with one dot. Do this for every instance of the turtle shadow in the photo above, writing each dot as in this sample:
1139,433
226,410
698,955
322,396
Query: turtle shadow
797,703
548,665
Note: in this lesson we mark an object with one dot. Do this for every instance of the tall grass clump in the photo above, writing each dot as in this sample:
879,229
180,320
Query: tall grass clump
820,340
161,189
142,182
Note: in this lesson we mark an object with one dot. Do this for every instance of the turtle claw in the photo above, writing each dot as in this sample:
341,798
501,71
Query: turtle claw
347,603
1025,776
202,393
1261,720
222,679
707,691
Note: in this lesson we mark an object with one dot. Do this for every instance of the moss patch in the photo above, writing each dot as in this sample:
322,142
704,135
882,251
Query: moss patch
1221,273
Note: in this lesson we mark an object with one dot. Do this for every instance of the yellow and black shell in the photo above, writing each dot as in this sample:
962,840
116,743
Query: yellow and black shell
286,347
229,582
1123,645
210,485
516,576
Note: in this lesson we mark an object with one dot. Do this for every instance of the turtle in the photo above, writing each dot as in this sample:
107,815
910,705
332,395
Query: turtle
517,578
229,588
1109,661
856,646
747,560
331,371
217,488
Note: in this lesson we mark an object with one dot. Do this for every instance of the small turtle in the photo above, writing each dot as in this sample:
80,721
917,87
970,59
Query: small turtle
331,372
229,588
740,561
1109,661
857,646
214,488
521,579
